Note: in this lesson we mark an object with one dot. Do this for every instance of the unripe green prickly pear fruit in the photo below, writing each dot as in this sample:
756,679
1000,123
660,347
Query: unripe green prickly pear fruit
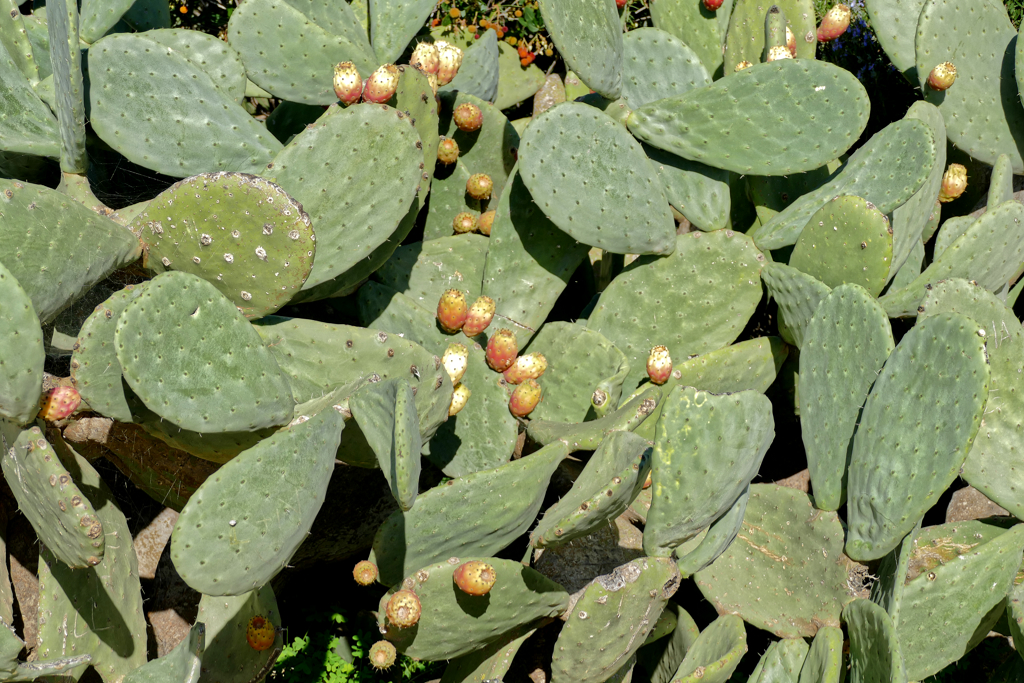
485,222
452,311
365,572
460,397
529,366
942,76
954,182
381,85
447,151
426,58
479,186
348,84
403,609
464,222
659,365
475,577
481,313
456,360
525,398
58,403
382,655
501,350
468,117
834,23
450,59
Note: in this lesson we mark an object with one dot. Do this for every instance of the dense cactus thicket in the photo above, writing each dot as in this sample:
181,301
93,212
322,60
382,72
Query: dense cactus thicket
690,264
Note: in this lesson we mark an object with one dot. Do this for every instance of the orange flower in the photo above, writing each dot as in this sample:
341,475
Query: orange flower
454,13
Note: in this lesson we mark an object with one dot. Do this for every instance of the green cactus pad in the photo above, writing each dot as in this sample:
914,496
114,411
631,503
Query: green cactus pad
824,660
516,83
145,15
708,448
902,459
823,103
529,261
847,241
21,352
610,621
845,346
699,192
910,269
208,371
888,590
1000,188
1015,613
16,40
957,573
660,659
715,540
608,484
983,118
99,16
478,74
657,65
989,252
29,127
437,527
355,211
181,665
781,662
785,571
895,27
134,77
290,48
214,56
40,227
454,623
580,361
716,652
875,652
96,610
588,34
798,295
291,118
950,231
587,436
246,521
228,657
241,233
393,23
62,515
695,301
386,412
746,37
773,194
490,662
886,171
423,271
612,200
703,31
995,457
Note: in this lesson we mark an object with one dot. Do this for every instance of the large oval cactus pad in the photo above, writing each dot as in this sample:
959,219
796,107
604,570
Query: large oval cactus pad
588,35
21,352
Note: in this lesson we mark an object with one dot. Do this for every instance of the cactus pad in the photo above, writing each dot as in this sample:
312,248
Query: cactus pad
875,652
715,654
699,192
658,65
181,665
21,352
587,436
393,23
386,413
588,35
29,127
746,37
798,295
228,657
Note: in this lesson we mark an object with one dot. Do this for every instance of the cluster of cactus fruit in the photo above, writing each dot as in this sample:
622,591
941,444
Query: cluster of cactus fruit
688,188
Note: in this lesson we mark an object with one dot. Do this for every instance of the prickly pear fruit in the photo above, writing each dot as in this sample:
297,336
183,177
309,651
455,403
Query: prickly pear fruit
501,350
954,182
480,315
942,76
260,633
834,23
365,572
475,577
455,360
740,66
452,311
403,609
659,365
381,85
382,655
464,222
460,397
426,58
529,366
432,80
479,186
525,398
486,222
468,117
779,52
58,403
447,151
348,84
450,59
712,5
621,3
791,41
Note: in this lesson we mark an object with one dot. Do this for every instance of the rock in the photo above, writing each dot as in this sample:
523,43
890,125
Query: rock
150,542
801,481
171,607
576,563
970,503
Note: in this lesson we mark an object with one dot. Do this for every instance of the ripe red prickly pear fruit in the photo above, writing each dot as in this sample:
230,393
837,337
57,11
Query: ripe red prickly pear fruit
403,609
480,315
365,572
260,633
834,23
447,151
475,577
452,311
58,403
382,655
529,366
460,397
381,85
450,59
464,222
348,84
455,361
954,182
712,5
479,186
426,58
485,222
468,117
621,3
791,41
501,350
942,76
659,365
525,398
